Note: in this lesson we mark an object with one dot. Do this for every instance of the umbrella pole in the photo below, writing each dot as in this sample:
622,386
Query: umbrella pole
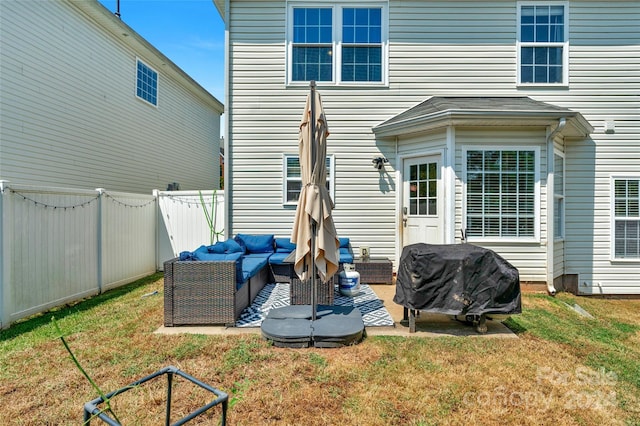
314,225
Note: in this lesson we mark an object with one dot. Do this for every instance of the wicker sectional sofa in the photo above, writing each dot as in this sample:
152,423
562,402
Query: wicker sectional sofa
206,293
214,284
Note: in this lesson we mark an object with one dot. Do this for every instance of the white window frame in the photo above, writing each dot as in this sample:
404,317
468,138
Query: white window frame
337,42
564,44
286,179
559,227
536,193
140,61
614,218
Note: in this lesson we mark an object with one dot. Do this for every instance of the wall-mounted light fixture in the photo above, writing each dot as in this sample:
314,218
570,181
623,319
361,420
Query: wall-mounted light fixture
379,162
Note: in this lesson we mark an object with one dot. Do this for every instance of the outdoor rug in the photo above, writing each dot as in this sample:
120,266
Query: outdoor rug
274,296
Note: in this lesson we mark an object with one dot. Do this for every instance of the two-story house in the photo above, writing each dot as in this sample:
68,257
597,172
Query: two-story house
515,124
86,102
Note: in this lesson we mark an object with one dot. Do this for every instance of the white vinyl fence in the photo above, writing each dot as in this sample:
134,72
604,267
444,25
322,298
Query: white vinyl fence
59,245
185,221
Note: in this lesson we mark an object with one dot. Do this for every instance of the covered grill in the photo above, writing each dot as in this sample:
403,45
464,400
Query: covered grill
456,279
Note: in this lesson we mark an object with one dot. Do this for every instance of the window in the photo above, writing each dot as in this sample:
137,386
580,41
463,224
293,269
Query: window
558,196
293,178
312,44
626,220
543,43
337,44
361,44
423,189
146,83
501,193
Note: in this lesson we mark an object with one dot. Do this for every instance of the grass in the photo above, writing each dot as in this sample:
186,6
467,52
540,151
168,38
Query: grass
564,369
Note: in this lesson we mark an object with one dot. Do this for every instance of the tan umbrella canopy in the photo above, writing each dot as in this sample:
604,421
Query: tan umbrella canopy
313,230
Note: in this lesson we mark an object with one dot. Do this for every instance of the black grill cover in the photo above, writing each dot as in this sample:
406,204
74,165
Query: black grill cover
457,279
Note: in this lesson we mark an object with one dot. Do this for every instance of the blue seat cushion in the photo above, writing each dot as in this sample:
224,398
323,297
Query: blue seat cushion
204,255
252,264
256,243
258,256
278,258
284,245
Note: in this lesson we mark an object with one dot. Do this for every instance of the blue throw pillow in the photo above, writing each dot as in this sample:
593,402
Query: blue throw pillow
240,243
257,243
201,249
218,247
344,242
186,255
231,246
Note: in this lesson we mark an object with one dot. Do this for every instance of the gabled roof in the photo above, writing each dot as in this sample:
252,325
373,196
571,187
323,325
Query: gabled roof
219,4
523,111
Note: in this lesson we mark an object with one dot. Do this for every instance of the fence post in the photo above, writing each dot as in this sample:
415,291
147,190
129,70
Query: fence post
5,254
100,277
156,194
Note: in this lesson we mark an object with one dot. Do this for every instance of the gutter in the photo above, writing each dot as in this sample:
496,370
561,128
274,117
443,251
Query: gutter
550,204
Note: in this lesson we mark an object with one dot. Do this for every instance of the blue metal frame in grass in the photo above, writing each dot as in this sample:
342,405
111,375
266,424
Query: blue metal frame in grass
91,409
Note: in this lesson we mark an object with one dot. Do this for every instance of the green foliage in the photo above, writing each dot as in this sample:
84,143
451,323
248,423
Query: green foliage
602,340
211,216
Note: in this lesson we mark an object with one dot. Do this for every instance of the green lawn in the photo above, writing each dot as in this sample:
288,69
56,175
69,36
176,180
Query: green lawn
564,369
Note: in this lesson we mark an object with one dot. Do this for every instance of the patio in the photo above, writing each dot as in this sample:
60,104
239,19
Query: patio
382,316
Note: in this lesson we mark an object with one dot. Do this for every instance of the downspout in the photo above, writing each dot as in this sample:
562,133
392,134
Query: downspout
550,205
399,200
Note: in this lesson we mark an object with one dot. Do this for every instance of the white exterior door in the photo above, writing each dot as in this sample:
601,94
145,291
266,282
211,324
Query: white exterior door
423,201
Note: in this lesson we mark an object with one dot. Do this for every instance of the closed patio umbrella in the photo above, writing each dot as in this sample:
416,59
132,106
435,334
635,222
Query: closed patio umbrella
313,230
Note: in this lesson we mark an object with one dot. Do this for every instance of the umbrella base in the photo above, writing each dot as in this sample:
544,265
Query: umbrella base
334,327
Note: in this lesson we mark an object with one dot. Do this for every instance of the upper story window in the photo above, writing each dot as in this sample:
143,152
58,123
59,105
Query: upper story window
146,83
543,48
626,218
338,44
501,194
293,178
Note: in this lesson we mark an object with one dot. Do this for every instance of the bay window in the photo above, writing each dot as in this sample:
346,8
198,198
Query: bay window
501,193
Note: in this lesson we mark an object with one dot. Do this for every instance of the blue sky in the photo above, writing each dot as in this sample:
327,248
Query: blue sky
189,32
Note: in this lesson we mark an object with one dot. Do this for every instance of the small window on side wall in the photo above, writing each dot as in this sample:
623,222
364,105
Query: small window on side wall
292,184
146,83
626,218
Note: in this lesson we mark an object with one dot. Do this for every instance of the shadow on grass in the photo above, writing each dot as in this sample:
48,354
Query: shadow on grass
44,319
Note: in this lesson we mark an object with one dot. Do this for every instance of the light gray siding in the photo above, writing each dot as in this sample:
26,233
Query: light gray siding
70,116
265,117
441,48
